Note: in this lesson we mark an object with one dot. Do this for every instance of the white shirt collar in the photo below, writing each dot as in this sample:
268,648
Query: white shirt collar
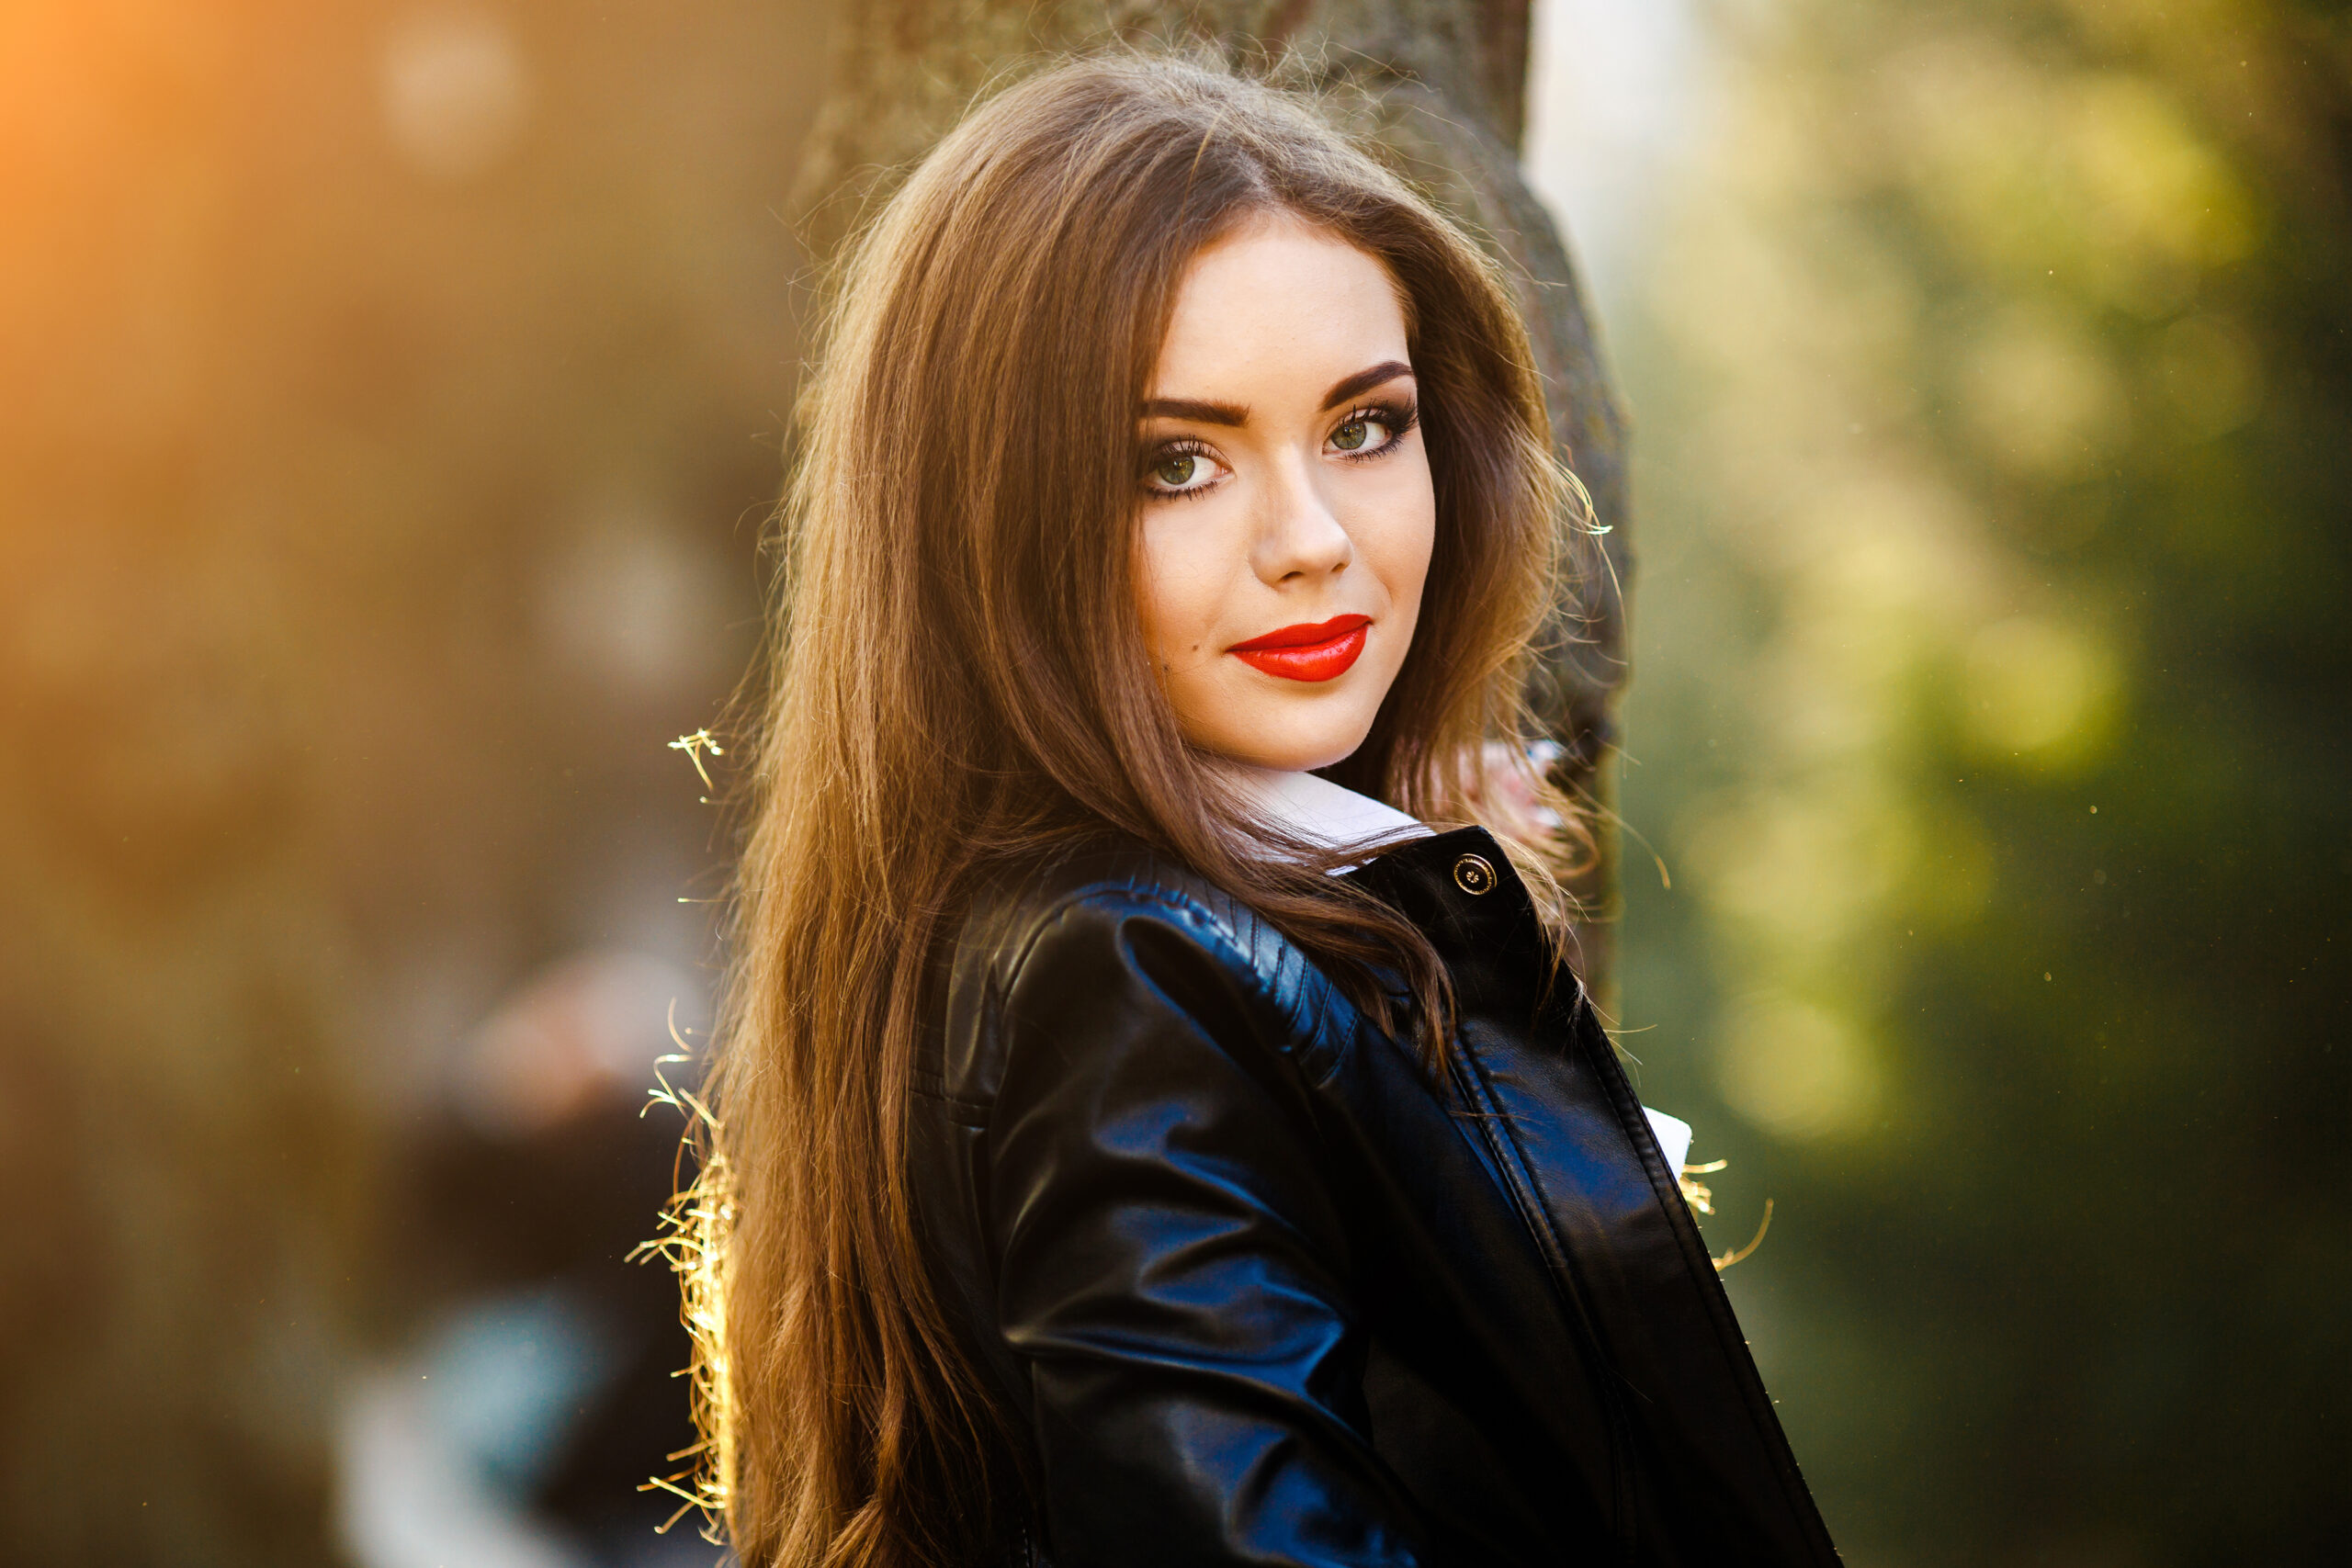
1320,811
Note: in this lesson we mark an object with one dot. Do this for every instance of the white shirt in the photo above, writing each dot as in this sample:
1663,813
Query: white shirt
1321,812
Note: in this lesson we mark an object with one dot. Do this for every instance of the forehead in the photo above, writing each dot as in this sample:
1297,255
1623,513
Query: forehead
1276,302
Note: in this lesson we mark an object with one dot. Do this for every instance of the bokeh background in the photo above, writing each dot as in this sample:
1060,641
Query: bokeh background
394,393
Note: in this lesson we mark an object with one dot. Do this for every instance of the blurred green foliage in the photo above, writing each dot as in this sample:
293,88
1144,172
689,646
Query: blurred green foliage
1994,449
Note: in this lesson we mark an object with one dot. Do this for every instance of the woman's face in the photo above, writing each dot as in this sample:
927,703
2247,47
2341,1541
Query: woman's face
1287,511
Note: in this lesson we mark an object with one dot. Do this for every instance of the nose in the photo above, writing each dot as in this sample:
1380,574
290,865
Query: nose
1299,538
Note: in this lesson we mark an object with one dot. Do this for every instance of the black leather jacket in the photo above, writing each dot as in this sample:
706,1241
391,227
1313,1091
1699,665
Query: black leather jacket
1260,1293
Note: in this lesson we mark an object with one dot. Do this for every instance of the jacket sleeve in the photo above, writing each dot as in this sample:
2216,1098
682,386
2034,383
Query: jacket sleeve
1173,1268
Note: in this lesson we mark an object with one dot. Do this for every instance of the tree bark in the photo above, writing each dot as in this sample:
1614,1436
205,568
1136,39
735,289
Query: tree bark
1446,80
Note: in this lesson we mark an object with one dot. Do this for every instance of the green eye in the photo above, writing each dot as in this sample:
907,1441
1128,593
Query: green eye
1349,437
1178,471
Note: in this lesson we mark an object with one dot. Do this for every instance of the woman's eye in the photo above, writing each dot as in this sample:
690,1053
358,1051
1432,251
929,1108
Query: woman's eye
1357,434
1179,473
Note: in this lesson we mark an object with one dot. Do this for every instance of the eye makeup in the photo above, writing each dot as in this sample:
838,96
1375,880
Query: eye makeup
1170,452
1396,418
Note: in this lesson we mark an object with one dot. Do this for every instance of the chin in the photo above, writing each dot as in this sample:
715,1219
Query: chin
1301,751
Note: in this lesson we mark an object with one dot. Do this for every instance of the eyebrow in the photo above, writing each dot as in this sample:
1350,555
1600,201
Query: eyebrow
1198,413
1236,414
1363,381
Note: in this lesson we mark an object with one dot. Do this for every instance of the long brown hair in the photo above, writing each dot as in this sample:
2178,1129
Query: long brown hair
958,557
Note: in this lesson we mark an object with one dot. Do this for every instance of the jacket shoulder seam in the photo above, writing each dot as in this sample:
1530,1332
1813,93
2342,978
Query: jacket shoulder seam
1113,891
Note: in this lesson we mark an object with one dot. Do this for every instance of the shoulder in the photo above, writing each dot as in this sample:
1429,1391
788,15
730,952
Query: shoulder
1071,951
1025,915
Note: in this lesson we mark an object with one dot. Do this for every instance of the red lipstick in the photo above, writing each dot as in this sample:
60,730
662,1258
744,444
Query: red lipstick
1321,652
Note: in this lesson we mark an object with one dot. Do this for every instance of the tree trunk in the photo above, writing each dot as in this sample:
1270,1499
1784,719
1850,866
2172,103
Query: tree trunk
1447,81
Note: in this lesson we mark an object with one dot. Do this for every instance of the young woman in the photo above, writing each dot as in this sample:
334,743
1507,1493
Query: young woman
1152,1126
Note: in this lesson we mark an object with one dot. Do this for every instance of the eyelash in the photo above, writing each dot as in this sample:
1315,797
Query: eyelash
1168,451
1398,418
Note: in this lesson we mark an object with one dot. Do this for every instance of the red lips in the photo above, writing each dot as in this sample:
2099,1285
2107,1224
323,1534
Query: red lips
1321,652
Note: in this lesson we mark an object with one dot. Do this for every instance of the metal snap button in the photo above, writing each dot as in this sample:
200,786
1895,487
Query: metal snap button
1474,876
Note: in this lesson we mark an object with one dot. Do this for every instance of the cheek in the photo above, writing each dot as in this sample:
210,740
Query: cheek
1407,538
1192,557
1167,591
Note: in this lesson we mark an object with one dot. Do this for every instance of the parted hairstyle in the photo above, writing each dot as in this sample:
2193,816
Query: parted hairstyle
958,683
